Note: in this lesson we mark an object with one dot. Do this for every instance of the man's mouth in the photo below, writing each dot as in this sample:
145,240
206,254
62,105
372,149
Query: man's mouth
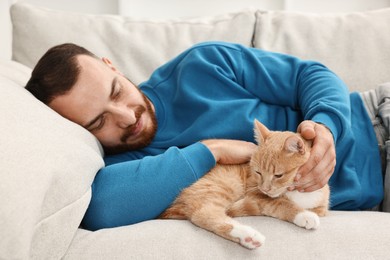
137,127
133,131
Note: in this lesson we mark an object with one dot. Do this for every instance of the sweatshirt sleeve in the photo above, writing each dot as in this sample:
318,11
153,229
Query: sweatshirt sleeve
278,80
303,85
139,190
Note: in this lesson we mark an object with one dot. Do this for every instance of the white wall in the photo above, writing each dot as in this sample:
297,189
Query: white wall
5,30
335,5
178,8
189,8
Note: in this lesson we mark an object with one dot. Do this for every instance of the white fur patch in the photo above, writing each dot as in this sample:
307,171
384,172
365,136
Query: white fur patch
249,237
307,219
306,200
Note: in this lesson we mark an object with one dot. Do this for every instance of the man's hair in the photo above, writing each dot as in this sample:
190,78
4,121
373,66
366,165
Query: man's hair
56,72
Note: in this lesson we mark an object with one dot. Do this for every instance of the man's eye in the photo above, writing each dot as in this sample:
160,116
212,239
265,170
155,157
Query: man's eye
117,94
98,125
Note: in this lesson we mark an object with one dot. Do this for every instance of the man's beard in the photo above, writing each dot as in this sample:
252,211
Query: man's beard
147,135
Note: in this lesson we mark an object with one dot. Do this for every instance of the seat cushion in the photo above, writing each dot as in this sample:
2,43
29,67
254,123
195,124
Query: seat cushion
341,235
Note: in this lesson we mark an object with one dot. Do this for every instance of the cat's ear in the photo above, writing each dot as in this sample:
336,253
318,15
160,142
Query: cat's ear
261,132
294,144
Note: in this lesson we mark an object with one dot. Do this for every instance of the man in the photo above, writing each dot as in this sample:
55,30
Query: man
198,109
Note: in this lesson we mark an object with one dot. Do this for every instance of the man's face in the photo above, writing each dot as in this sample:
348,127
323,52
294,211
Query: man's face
108,105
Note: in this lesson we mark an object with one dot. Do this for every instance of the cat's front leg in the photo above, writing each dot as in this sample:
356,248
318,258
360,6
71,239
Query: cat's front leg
247,236
307,219
284,209
321,211
214,219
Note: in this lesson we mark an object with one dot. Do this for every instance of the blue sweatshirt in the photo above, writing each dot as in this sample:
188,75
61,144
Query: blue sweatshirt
216,90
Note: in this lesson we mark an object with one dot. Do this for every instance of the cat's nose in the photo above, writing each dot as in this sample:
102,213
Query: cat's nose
266,188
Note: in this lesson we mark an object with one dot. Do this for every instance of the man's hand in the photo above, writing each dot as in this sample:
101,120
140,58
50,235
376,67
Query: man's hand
316,172
230,151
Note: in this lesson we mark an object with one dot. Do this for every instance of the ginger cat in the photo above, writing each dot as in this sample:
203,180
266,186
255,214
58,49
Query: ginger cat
256,188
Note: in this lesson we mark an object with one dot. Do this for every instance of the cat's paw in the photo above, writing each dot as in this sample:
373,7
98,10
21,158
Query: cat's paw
248,237
307,219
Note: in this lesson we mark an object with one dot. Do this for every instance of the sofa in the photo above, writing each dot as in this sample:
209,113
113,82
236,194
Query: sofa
48,163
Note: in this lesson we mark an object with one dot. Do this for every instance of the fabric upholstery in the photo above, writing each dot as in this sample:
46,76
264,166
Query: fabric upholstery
47,167
135,46
354,45
48,163
341,235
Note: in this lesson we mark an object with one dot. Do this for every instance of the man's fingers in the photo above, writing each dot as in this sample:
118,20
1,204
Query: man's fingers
316,157
321,152
312,186
307,129
319,177
318,169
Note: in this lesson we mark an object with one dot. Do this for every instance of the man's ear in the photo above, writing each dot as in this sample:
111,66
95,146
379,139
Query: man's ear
109,64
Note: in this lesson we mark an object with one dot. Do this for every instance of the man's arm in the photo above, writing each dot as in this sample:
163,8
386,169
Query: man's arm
139,190
319,94
281,80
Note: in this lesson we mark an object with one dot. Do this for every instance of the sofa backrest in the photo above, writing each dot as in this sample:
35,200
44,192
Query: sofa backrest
135,46
354,45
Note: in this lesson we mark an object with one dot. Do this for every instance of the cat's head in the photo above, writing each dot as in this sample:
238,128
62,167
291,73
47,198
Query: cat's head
277,159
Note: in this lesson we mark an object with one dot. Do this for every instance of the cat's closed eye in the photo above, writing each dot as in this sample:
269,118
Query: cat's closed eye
278,176
259,173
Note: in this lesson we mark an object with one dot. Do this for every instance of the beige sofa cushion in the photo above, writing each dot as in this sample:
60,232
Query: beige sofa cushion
136,46
355,45
47,166
341,235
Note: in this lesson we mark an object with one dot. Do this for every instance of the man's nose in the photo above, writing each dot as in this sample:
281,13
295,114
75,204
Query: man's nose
124,116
